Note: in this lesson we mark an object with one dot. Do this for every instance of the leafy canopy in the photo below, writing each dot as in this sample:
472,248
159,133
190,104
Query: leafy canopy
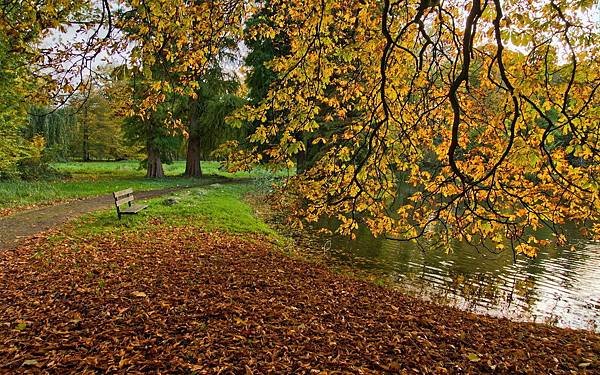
464,119
473,120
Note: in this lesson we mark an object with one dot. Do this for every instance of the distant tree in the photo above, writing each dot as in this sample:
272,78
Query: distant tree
57,127
207,128
177,72
155,129
99,133
159,142
33,75
262,49
13,108
88,128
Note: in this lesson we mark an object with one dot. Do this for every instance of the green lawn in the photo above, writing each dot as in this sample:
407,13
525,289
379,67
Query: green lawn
219,207
98,178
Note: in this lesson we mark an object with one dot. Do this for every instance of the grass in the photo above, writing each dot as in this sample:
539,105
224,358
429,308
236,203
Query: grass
216,207
98,178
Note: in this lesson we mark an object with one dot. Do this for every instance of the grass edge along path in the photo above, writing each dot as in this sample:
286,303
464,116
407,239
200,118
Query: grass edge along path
98,178
15,228
218,206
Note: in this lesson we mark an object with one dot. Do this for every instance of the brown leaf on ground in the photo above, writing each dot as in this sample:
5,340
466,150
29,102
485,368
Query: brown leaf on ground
222,304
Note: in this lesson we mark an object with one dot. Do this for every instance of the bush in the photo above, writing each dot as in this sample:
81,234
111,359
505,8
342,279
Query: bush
37,165
30,169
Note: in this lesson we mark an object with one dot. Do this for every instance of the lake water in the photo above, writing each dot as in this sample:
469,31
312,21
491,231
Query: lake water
561,286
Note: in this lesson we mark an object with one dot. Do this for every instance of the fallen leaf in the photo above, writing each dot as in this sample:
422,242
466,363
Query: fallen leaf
209,314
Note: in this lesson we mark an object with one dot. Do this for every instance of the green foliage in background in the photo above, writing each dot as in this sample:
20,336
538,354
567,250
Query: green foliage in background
100,178
13,116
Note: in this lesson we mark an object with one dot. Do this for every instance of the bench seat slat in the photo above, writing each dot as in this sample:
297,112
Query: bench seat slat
134,209
125,200
124,203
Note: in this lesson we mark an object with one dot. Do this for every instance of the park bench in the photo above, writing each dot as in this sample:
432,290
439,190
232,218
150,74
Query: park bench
124,202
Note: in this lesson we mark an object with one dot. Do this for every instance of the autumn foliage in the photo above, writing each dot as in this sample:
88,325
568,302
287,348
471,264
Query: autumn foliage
472,120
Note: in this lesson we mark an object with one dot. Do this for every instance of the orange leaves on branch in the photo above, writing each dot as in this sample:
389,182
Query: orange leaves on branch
417,119
374,91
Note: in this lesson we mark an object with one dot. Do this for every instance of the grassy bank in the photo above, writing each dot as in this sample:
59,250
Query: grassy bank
216,207
97,178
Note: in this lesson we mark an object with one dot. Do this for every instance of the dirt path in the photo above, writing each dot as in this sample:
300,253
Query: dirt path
15,228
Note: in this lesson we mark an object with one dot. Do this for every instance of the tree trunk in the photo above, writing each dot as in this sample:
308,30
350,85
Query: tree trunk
301,161
154,169
192,160
303,158
193,167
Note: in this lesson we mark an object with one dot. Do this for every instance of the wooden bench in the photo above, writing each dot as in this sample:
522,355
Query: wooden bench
125,198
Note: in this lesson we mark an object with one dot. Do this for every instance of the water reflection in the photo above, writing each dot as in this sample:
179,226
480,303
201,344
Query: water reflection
561,286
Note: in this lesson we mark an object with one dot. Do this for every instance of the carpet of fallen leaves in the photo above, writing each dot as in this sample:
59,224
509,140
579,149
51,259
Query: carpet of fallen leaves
6,211
182,301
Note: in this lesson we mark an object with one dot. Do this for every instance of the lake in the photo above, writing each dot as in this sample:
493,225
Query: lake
561,286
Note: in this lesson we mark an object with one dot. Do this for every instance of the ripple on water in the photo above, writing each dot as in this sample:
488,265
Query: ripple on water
560,286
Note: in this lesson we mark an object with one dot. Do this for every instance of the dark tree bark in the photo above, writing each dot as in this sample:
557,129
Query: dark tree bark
304,158
193,167
154,168
301,161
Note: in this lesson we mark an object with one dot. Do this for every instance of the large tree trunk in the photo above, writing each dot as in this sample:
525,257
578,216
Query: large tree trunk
193,167
154,168
192,160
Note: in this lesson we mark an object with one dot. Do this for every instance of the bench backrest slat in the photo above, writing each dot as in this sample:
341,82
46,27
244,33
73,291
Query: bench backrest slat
119,194
124,200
